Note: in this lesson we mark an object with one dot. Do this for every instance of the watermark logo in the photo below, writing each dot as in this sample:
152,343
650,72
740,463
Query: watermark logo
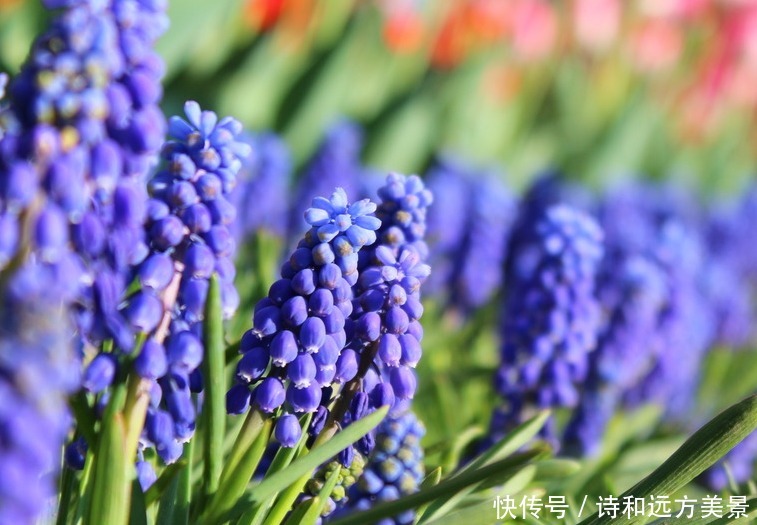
509,507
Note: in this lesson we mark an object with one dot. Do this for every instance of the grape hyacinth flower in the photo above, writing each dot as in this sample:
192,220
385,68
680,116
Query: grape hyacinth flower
685,324
632,294
730,234
469,252
548,189
448,181
336,163
37,372
188,229
262,194
729,284
481,257
550,318
662,225
84,128
377,367
387,330
404,205
296,345
395,469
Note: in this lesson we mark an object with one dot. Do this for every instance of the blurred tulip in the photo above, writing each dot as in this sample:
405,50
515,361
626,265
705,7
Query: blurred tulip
534,29
596,23
655,45
403,31
263,14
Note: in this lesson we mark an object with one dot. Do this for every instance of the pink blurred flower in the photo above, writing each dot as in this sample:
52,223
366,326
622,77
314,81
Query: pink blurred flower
674,8
534,30
655,45
596,23
741,87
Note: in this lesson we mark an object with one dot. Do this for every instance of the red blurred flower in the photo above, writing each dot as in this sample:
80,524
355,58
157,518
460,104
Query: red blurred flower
262,14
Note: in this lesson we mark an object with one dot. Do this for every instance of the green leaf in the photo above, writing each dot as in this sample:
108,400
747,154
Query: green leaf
503,448
68,486
623,429
248,434
443,490
461,441
556,468
214,407
285,500
305,465
699,452
509,483
85,416
280,480
138,511
432,478
514,440
158,489
184,488
304,509
325,493
282,459
480,513
309,510
167,506
111,488
85,487
233,487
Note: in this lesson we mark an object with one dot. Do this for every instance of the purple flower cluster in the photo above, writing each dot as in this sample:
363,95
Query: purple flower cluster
84,128
730,276
296,345
468,253
685,323
385,323
336,164
632,292
395,468
385,333
188,231
37,372
551,316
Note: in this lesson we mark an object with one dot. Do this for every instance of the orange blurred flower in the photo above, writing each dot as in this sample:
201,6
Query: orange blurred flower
262,15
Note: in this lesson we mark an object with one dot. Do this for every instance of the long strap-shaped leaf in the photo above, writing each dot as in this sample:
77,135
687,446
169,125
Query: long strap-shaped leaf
445,489
513,441
700,451
276,483
214,410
